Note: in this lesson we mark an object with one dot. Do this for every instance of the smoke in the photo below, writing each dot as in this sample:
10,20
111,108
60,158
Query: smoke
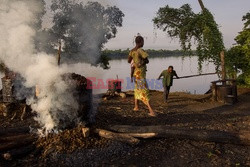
55,105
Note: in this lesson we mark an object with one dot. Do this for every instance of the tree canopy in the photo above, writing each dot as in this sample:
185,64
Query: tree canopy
191,28
82,29
238,57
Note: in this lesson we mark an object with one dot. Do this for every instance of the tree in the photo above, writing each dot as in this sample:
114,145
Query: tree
238,57
188,26
83,29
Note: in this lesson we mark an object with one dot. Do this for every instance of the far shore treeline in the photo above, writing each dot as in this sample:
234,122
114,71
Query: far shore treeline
123,54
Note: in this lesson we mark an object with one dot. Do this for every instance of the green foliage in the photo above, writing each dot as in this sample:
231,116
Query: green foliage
123,54
238,57
247,19
236,61
187,26
103,61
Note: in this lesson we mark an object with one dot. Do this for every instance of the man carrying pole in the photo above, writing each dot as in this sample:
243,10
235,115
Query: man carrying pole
167,81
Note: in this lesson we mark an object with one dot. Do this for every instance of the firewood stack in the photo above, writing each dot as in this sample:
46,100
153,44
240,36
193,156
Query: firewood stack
16,142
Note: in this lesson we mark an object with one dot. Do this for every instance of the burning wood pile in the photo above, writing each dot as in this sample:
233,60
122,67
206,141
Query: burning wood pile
11,145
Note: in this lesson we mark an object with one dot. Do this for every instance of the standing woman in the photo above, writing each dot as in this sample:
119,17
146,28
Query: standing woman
140,58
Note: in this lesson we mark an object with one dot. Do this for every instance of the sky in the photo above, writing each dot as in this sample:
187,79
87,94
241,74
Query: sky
139,14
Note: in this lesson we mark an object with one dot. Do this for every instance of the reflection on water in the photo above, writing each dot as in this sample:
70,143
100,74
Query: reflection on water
183,67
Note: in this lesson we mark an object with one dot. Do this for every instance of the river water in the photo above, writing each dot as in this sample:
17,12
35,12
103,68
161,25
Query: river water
121,69
182,66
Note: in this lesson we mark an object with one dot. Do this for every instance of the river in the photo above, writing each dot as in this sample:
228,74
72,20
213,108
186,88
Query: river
182,66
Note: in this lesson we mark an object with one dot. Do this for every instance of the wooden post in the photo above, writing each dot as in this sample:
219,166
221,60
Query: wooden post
223,70
234,90
214,91
59,53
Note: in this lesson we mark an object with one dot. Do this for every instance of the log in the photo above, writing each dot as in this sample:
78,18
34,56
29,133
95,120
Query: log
14,137
14,131
161,131
17,144
142,135
117,136
18,153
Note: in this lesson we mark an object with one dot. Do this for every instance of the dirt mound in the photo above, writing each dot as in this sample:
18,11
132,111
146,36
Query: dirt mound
69,141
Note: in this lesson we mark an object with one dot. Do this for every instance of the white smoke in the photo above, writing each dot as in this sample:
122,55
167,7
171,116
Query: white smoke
55,105
17,51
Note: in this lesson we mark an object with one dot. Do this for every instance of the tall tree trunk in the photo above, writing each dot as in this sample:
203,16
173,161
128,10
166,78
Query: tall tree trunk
223,68
202,5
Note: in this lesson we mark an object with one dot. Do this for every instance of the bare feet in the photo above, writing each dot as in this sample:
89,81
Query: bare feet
152,114
136,109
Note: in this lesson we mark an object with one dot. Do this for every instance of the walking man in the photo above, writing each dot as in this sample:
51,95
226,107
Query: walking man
167,81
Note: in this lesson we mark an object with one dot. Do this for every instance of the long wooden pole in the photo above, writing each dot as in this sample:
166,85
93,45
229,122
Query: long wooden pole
59,54
189,76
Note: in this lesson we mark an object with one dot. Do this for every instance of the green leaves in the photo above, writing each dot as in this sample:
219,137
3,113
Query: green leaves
188,27
238,57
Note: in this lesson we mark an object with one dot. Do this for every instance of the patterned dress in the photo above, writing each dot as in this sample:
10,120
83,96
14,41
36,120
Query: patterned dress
141,91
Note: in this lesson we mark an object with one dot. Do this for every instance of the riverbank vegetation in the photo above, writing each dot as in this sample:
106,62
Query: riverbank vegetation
123,54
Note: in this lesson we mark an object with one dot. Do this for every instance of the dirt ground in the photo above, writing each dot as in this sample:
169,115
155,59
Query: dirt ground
182,110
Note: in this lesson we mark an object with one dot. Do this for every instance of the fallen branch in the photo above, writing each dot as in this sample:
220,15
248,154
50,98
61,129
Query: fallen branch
142,135
241,138
117,136
14,137
17,153
14,131
17,144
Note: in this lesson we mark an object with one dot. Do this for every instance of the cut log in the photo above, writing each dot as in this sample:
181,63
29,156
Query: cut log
117,136
17,144
14,137
240,138
18,153
14,131
85,132
142,135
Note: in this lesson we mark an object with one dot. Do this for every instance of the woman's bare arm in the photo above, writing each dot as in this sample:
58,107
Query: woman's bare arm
130,59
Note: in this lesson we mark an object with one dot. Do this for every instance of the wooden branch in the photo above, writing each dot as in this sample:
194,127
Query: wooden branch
189,76
142,135
117,136
17,153
17,144
59,53
241,138
14,137
18,130
201,5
